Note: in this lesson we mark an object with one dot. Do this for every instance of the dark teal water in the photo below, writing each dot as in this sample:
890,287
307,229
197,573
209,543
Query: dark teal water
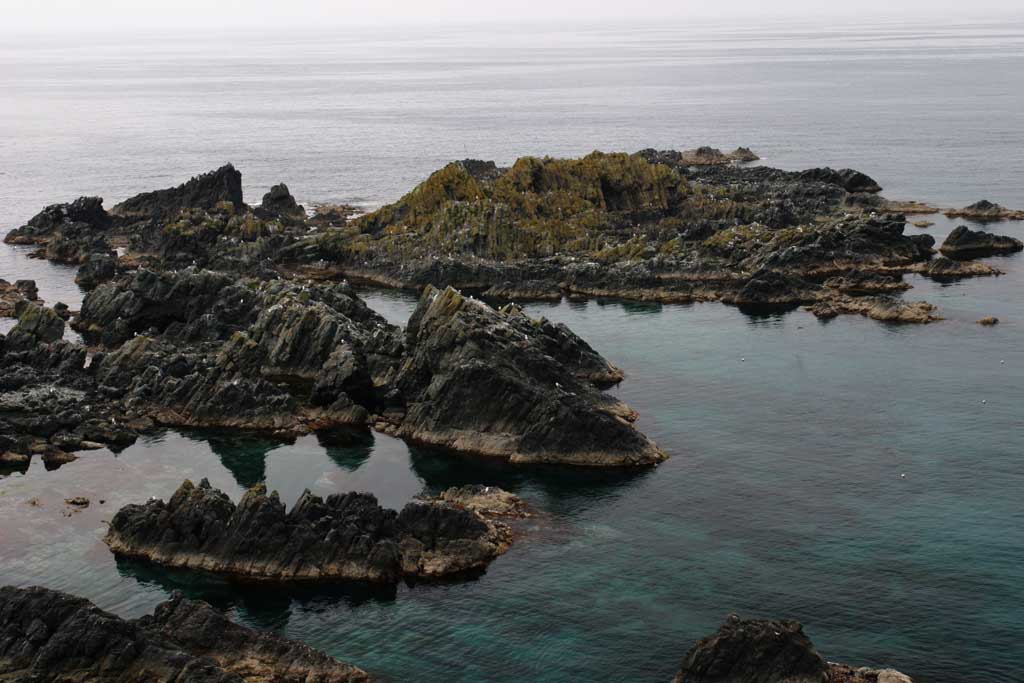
788,436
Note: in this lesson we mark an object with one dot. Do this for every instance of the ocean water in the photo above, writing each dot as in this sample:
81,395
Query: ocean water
789,437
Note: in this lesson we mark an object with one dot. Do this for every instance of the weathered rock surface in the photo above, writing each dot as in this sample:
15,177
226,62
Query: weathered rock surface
944,269
279,202
52,637
201,192
496,382
763,651
847,178
964,243
346,536
84,211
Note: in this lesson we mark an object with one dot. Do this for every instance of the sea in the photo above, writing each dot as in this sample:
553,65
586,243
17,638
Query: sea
864,478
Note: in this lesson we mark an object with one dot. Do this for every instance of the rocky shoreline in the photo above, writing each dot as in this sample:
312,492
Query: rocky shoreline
51,637
345,537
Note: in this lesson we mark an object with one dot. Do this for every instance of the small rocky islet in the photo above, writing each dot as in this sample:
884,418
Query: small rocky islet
347,537
202,311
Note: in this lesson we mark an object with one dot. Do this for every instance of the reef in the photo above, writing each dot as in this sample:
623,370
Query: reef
769,651
51,637
343,537
964,243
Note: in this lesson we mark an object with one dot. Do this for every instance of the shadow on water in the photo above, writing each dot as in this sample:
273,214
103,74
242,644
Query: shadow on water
440,469
267,607
243,454
349,448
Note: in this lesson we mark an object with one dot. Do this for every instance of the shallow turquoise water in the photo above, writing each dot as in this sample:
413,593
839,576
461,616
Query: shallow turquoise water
788,436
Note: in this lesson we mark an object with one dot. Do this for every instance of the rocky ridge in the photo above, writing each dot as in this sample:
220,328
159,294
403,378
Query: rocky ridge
343,537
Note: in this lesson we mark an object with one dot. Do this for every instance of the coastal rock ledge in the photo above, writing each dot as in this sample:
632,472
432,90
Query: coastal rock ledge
769,651
52,637
345,537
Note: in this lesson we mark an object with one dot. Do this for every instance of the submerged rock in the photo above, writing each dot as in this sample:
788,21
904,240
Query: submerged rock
496,382
763,651
964,243
52,637
346,536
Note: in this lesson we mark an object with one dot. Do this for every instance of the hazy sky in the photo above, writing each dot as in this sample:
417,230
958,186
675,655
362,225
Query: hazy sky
93,15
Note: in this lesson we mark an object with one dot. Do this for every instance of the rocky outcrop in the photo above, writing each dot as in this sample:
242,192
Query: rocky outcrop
847,178
346,536
52,637
279,202
37,323
496,382
84,211
964,243
882,308
985,211
763,651
201,192
204,349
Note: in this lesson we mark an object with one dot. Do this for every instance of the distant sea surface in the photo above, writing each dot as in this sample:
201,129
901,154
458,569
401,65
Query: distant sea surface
785,494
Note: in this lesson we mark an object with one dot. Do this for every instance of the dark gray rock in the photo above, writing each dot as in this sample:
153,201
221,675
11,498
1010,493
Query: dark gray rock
346,536
964,243
754,651
201,192
52,637
495,382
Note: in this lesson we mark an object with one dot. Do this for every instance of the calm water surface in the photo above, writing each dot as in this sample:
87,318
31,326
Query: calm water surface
784,495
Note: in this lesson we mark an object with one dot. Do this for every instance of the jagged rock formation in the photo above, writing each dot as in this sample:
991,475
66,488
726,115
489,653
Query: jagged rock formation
847,178
201,192
709,156
964,243
87,211
52,637
346,536
279,202
762,651
985,211
498,383
197,348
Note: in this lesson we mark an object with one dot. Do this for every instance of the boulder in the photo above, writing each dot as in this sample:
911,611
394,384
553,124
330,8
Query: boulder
279,202
98,268
964,243
754,650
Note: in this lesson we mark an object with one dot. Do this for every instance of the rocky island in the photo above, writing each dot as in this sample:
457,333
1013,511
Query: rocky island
769,651
345,537
51,637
